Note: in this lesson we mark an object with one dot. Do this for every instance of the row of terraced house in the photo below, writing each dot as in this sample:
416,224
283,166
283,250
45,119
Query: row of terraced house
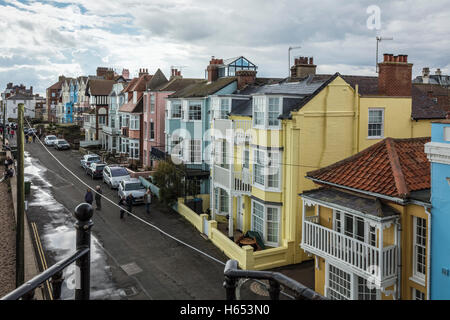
323,167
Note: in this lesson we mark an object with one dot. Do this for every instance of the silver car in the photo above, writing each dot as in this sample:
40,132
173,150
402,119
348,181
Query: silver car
50,140
133,187
87,159
113,175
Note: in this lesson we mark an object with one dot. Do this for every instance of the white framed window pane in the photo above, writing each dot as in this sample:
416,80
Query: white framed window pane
417,294
375,125
258,218
176,110
420,247
258,111
272,225
152,103
195,111
339,284
364,292
274,111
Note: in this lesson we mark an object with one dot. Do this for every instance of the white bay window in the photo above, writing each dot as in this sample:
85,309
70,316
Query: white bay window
266,221
266,111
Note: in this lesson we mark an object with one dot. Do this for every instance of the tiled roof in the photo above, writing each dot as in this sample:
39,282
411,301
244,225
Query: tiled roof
365,205
392,167
56,86
177,84
130,85
424,107
203,88
100,87
132,107
157,80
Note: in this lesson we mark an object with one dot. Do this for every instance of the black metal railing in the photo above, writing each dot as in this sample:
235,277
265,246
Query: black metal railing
276,280
82,258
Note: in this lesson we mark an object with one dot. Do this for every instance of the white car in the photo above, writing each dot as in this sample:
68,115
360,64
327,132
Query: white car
50,140
87,159
133,186
113,175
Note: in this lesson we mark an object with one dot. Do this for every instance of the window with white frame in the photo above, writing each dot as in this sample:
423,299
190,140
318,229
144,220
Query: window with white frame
376,123
134,122
417,294
419,248
176,110
339,284
353,226
246,158
365,292
152,103
258,111
274,111
221,153
193,152
195,110
266,169
221,201
134,149
224,108
175,142
266,221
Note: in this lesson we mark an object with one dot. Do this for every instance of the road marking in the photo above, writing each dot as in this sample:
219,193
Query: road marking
42,256
131,268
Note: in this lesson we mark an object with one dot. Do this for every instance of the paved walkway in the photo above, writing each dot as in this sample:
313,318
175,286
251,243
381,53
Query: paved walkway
7,239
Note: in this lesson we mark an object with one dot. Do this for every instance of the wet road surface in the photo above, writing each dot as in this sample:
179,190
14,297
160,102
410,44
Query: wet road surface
130,260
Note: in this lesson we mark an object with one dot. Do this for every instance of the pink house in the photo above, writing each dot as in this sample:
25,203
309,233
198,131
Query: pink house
154,115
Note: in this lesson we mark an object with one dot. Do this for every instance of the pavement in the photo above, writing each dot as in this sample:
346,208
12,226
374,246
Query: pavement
130,260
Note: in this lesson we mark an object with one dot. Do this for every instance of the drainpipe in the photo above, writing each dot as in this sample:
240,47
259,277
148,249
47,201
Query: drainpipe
428,252
399,259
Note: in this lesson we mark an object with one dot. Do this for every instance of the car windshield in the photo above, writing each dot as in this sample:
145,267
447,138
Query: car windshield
98,168
62,142
118,172
133,186
95,158
51,138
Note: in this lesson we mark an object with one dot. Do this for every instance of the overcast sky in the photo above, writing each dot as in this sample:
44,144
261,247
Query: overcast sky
40,40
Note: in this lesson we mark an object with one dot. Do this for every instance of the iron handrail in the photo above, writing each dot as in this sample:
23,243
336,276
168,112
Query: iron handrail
44,276
276,279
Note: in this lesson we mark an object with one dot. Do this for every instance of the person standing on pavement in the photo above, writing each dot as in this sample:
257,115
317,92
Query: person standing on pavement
88,197
148,200
122,203
98,198
129,202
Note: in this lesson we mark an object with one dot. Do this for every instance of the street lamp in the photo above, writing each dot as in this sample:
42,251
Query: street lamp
289,59
379,39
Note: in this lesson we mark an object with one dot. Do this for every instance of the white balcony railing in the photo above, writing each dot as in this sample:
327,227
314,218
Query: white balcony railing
242,181
378,263
111,130
84,143
242,131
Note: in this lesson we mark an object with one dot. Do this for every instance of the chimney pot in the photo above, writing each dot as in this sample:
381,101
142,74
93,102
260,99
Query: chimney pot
311,61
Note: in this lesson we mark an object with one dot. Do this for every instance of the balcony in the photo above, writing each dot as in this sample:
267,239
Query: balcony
377,264
242,182
242,131
222,177
84,143
110,130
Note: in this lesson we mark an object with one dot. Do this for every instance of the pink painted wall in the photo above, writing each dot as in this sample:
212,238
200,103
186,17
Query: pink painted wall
159,122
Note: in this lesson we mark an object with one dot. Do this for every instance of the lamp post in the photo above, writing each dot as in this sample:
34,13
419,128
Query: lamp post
20,260
379,39
289,59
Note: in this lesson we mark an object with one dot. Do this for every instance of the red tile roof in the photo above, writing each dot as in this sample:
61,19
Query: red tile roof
392,167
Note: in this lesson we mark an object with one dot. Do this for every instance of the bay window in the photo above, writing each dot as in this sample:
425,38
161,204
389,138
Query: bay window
266,221
192,152
266,169
221,200
266,111
134,149
134,122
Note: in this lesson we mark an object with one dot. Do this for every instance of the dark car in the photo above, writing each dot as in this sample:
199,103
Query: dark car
95,170
61,144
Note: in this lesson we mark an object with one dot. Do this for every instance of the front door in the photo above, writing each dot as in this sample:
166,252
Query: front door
240,212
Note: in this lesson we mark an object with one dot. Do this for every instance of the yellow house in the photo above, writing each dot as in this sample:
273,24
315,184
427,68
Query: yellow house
275,134
368,224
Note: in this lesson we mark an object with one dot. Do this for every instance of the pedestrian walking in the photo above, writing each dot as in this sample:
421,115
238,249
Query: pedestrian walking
148,200
122,204
34,138
8,162
88,197
30,139
129,202
12,133
98,198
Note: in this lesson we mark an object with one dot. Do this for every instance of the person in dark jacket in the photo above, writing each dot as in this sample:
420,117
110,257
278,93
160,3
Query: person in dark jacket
88,197
130,200
98,198
122,203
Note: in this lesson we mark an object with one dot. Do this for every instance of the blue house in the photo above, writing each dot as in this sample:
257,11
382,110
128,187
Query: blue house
438,151
73,98
189,114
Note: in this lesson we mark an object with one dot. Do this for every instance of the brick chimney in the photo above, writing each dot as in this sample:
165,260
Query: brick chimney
61,78
245,77
126,74
394,78
143,72
438,72
303,67
213,69
175,73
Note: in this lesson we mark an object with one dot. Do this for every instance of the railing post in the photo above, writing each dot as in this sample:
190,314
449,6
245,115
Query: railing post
274,290
83,214
230,282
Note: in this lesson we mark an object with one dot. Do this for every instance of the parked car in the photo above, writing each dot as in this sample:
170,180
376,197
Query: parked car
50,140
133,186
87,159
61,144
95,170
112,175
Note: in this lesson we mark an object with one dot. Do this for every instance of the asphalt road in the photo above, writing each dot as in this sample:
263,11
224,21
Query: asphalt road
133,261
